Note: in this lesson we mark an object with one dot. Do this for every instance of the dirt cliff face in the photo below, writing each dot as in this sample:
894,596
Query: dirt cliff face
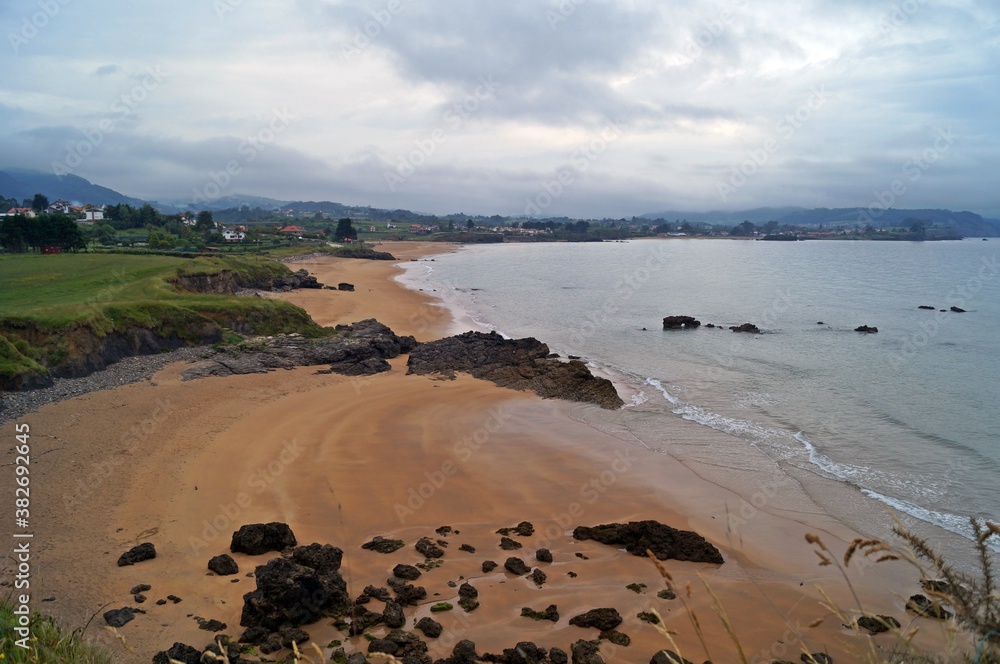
221,283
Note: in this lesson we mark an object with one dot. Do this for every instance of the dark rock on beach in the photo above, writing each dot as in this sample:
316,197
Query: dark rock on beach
383,545
551,612
137,554
516,566
428,549
430,627
602,619
257,538
410,595
680,323
507,544
119,617
520,364
668,657
877,624
294,592
523,529
178,652
408,572
392,615
355,350
586,652
344,286
489,566
927,608
223,565
665,542
543,556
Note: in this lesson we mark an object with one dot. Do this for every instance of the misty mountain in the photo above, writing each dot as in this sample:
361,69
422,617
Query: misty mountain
21,184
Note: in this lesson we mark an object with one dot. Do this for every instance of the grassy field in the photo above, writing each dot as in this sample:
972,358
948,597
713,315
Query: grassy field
47,302
49,642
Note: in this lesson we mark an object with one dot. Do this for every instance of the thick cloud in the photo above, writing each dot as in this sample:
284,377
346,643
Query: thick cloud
577,107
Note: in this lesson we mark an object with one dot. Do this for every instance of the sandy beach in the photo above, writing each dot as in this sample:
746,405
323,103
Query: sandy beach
341,460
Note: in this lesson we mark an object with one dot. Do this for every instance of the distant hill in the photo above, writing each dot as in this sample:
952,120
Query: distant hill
21,184
967,224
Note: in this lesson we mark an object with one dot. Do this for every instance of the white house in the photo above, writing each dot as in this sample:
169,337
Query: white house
93,215
233,235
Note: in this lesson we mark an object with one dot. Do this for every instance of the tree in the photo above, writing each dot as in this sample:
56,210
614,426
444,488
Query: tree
743,229
204,221
345,231
469,225
39,203
105,234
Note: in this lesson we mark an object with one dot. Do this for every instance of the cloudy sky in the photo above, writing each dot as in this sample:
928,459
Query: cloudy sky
578,107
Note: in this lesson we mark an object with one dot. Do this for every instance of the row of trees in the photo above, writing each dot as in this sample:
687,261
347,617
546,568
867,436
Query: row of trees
19,234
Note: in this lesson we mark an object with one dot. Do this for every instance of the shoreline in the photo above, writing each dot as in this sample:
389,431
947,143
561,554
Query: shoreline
361,449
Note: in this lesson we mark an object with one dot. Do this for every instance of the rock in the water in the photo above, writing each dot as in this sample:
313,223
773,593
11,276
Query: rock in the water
430,627
290,593
746,327
602,619
680,323
586,652
464,652
257,538
926,306
550,613
866,328
137,554
223,565
383,545
665,542
408,572
179,652
958,310
119,617
520,364
543,556
426,547
516,566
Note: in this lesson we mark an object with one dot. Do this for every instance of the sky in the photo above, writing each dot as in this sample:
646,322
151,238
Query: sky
582,108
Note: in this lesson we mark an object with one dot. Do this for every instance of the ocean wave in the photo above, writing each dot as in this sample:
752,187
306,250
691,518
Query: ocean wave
953,523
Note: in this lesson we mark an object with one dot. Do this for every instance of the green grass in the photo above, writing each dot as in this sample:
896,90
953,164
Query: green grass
49,642
48,303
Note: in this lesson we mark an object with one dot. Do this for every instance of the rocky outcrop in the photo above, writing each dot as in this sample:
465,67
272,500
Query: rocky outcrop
520,364
746,327
382,544
665,542
257,538
344,286
295,280
680,323
294,591
365,254
866,328
359,349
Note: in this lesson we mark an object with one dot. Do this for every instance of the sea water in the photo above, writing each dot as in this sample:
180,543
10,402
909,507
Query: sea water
906,418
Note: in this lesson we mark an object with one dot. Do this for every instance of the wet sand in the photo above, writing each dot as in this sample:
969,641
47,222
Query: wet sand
340,459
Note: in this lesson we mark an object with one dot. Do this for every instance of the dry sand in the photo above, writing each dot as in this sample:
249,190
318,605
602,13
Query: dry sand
184,464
